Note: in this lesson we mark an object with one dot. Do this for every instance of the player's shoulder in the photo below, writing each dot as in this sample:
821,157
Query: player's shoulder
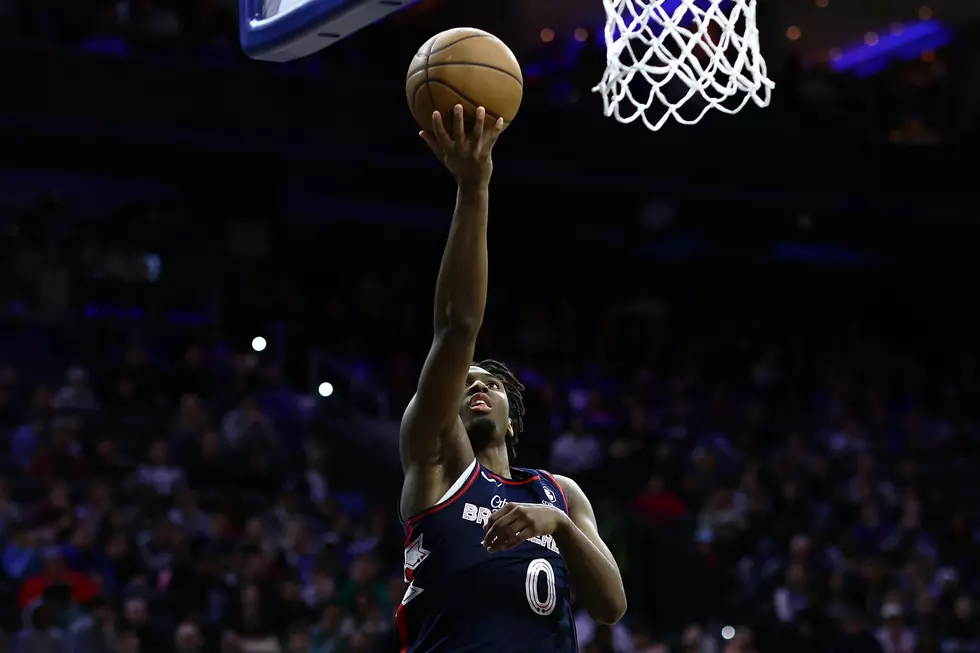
552,487
571,491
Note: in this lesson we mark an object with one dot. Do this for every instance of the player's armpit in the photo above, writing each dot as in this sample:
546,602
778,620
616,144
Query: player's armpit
593,569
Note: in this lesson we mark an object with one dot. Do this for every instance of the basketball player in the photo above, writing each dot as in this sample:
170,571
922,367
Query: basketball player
490,549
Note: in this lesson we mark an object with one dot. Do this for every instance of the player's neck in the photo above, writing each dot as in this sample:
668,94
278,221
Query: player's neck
496,460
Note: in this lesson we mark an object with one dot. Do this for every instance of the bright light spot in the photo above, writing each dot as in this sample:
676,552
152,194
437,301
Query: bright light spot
793,33
925,13
325,389
258,343
822,3
727,632
897,28
871,38
581,34
547,35
835,53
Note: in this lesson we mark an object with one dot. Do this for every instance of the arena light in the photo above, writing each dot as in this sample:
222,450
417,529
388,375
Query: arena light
908,43
259,344
325,389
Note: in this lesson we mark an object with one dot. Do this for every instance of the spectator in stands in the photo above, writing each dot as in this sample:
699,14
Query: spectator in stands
10,512
329,632
22,555
41,635
76,394
894,636
61,456
94,632
575,450
83,554
25,441
246,426
158,472
56,572
658,504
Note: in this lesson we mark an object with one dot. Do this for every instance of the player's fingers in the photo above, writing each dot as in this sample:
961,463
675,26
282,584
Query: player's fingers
499,520
499,531
433,144
442,136
477,135
459,131
498,514
491,135
515,533
504,527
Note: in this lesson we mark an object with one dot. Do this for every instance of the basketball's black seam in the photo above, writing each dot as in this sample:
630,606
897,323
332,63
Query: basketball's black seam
429,83
423,86
428,89
478,65
449,45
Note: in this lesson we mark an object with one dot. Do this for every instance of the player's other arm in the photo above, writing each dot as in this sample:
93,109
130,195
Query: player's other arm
593,569
431,436
594,572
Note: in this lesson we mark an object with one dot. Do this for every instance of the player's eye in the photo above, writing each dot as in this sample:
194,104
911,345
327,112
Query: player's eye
493,385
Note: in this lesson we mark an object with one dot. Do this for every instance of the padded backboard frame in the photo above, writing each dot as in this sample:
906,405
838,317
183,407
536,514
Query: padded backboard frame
283,30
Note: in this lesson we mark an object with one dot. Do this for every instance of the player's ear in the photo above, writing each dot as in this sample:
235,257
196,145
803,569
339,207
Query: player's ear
510,427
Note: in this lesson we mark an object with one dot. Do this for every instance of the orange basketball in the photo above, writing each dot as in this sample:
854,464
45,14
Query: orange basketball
464,66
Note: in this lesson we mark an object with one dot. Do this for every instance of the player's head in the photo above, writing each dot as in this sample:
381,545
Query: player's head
492,408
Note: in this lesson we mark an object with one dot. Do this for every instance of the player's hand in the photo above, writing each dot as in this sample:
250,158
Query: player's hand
515,522
466,155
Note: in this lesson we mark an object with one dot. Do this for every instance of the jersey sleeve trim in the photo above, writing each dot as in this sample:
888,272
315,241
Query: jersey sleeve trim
459,486
557,485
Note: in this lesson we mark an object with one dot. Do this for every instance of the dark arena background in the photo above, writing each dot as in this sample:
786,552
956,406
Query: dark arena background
751,341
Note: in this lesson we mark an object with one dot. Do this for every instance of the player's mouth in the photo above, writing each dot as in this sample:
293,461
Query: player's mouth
480,403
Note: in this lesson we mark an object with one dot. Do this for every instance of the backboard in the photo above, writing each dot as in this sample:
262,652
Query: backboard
283,30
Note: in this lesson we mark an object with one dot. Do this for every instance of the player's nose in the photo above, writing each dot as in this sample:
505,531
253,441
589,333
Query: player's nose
478,387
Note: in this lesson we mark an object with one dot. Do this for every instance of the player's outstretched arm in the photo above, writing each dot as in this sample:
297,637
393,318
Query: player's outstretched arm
432,439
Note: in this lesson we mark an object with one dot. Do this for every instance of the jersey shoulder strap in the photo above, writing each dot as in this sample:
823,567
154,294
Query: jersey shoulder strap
455,491
552,489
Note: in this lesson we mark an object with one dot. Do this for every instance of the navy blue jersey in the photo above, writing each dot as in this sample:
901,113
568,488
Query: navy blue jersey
461,599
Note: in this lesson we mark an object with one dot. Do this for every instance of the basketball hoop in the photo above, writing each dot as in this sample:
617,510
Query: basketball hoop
662,55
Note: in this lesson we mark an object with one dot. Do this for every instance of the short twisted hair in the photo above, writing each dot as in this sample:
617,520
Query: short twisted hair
515,397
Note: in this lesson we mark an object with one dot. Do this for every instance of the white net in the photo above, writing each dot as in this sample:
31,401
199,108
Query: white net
675,59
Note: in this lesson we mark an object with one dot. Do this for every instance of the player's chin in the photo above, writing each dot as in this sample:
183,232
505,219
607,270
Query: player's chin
479,426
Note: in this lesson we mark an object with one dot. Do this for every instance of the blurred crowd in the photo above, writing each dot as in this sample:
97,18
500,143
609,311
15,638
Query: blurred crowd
160,508
793,486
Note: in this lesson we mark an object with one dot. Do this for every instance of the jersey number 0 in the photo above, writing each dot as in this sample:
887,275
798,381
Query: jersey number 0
542,605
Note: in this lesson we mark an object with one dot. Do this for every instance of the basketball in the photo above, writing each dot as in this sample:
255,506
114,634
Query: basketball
464,66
